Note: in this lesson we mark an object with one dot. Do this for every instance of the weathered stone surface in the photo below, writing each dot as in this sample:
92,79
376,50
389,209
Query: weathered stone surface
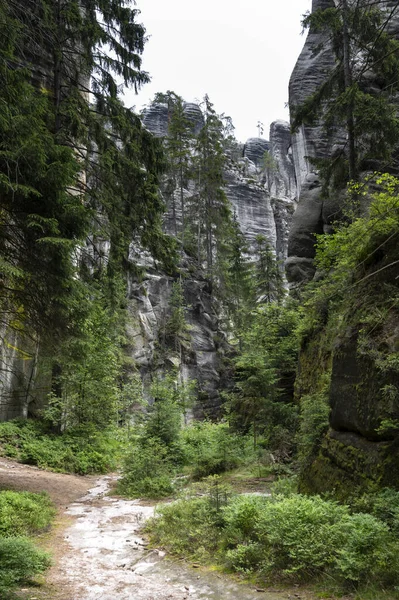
284,182
357,400
251,203
199,360
314,63
193,113
263,202
18,366
347,463
313,67
155,118
254,150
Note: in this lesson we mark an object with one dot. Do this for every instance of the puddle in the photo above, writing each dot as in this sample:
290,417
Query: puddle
110,561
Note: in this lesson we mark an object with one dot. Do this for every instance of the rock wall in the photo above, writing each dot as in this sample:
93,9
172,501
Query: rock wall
315,213
353,452
263,201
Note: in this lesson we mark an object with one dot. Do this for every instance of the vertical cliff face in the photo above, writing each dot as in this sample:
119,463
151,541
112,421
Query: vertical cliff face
354,452
263,200
314,63
315,213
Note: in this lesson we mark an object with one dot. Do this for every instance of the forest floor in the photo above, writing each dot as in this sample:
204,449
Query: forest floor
99,554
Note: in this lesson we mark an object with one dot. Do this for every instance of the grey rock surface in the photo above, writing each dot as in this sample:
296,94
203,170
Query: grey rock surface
155,118
314,63
255,148
316,211
263,202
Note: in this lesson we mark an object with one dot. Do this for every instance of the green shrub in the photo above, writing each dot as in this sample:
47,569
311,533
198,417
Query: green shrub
241,517
368,553
23,513
384,505
80,450
187,528
313,420
20,560
285,486
210,448
300,535
146,471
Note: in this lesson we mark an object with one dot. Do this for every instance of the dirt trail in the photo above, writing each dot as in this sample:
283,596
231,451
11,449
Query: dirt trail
99,554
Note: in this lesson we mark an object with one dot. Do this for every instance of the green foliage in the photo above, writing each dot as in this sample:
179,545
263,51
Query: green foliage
313,423
359,89
384,505
89,367
147,471
164,418
369,552
157,451
264,371
294,538
23,513
80,450
68,168
352,256
212,448
175,331
269,279
20,560
187,528
211,210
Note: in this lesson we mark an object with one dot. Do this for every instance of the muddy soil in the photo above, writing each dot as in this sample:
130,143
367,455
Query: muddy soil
99,553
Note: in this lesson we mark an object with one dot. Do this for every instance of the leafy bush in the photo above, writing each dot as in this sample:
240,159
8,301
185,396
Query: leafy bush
23,513
20,560
369,554
314,415
241,517
147,471
80,450
210,448
384,505
300,535
187,527
295,537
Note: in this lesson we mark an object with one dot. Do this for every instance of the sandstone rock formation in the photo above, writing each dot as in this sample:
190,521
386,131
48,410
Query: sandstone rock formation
353,451
263,201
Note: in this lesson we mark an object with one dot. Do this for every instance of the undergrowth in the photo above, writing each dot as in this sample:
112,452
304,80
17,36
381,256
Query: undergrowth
292,538
155,469
80,450
22,515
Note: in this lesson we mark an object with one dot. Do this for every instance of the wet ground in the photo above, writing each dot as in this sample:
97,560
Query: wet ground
111,561
99,553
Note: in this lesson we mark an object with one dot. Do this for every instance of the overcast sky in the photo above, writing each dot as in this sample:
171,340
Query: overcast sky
240,52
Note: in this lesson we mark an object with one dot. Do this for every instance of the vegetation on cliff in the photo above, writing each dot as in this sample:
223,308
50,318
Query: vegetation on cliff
79,185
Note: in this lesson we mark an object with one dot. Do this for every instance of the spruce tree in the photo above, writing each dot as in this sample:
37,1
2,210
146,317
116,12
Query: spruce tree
179,144
268,277
212,211
73,161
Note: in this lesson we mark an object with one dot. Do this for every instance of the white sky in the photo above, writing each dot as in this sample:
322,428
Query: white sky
240,52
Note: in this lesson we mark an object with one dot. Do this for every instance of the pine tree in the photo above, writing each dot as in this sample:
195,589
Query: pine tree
73,159
239,294
179,143
268,277
212,211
